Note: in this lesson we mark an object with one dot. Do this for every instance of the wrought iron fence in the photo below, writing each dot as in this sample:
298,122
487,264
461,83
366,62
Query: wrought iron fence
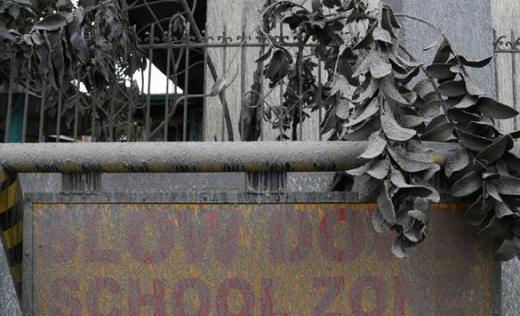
188,74
507,62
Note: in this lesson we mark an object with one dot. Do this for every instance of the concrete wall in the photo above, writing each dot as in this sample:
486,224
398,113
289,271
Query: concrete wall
506,21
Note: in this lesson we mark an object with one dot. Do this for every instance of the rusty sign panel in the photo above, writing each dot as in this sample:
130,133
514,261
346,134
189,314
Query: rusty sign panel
247,259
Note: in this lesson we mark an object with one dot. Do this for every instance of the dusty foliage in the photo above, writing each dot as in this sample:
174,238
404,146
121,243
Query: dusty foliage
376,91
50,46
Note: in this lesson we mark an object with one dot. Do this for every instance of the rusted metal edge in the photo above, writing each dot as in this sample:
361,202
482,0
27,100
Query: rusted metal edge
162,157
205,198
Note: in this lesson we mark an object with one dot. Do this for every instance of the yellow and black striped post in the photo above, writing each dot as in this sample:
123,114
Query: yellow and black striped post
11,223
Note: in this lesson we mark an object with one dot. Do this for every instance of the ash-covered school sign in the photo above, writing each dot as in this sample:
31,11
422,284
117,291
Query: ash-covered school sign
250,259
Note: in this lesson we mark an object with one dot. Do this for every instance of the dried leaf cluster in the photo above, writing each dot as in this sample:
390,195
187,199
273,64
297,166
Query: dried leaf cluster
376,91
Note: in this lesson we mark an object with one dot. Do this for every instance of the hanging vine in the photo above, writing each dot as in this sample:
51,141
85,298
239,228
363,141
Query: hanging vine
376,91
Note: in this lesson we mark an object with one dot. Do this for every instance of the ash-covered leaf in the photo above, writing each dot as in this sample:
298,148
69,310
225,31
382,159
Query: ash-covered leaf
507,185
379,223
368,92
343,109
51,23
473,142
418,215
385,205
410,162
363,132
424,88
496,150
468,184
376,146
466,102
502,210
265,56
382,35
367,188
509,249
443,53
392,129
478,211
456,161
462,116
406,189
495,109
331,3
391,91
399,249
495,228
474,63
439,130
371,109
361,170
380,169
453,88
416,233
441,71
380,68
278,67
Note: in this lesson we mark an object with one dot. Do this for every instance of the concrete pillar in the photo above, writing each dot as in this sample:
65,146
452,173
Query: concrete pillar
237,65
506,17
8,301
469,24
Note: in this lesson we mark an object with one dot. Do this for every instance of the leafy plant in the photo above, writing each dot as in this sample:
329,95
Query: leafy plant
376,91
51,47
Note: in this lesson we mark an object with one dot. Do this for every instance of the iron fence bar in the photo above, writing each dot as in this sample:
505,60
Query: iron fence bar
60,102
495,61
509,51
168,75
205,98
186,85
224,65
76,110
26,101
300,89
513,74
221,45
148,96
9,101
42,112
320,110
170,157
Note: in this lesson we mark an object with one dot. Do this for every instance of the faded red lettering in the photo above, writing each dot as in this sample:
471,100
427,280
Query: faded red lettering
358,290
224,228
64,300
94,253
202,291
194,235
99,285
137,299
246,293
352,240
267,299
334,287
161,223
281,223
400,298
